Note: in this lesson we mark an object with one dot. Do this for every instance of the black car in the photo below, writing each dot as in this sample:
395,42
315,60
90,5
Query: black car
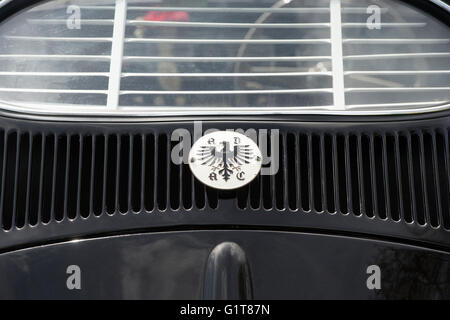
224,149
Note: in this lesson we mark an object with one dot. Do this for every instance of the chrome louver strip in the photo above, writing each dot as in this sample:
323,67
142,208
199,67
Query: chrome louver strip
397,55
337,54
120,17
51,57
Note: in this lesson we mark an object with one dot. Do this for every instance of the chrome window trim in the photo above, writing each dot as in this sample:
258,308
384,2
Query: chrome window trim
441,4
93,112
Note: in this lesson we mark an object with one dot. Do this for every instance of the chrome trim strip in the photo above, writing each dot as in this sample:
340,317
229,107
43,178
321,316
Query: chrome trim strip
98,113
337,60
117,48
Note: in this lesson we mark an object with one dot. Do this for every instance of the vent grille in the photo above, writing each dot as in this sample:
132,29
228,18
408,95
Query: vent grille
401,176
253,56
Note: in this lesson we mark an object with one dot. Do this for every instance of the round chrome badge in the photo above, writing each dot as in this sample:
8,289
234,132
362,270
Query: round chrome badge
225,160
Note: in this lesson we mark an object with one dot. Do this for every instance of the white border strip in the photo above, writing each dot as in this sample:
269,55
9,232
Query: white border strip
115,70
337,61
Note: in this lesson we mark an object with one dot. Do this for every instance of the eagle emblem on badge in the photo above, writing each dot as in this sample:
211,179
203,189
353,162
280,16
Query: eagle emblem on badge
225,160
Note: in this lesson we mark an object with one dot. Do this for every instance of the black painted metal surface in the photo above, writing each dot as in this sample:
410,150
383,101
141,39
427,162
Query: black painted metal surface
67,180
175,265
